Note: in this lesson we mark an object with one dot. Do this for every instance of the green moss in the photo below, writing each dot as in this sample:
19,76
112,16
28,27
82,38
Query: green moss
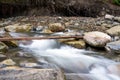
117,2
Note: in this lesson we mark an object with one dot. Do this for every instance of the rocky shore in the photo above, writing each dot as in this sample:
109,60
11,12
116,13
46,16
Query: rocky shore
100,34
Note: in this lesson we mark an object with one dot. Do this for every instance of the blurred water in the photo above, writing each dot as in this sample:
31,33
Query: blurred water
73,60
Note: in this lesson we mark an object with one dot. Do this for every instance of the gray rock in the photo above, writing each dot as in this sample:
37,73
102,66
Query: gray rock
114,31
113,47
30,65
117,19
75,76
15,73
109,17
96,38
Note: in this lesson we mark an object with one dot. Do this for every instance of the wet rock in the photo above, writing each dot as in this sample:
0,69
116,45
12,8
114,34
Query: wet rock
3,47
96,38
30,65
2,57
109,17
23,54
16,73
114,69
75,76
8,62
56,27
113,47
77,44
9,43
114,31
19,28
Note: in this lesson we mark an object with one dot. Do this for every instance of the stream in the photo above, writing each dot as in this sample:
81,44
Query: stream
72,60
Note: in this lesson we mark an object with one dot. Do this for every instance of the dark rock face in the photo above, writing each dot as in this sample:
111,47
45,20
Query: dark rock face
88,8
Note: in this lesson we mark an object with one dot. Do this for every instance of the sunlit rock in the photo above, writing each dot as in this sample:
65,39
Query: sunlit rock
56,27
18,28
8,62
76,43
3,47
113,47
96,38
114,31
109,17
16,73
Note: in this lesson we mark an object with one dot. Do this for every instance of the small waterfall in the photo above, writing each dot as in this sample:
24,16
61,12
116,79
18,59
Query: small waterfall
73,60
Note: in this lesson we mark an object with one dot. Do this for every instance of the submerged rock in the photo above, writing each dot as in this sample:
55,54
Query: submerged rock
113,47
3,47
96,38
16,73
56,27
19,28
114,31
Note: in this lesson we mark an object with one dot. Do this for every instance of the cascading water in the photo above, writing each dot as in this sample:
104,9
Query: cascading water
73,60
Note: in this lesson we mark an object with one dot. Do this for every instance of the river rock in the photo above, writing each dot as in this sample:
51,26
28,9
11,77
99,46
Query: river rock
3,47
77,44
109,17
113,47
19,28
56,27
96,38
117,19
29,65
16,73
8,62
114,31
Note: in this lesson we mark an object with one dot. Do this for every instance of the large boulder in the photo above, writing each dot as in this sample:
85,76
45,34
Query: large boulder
113,47
19,28
96,38
15,73
114,31
56,27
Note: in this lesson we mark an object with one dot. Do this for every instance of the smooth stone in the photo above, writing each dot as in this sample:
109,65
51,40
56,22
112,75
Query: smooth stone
19,28
56,27
22,54
109,17
114,31
113,47
8,62
96,38
16,73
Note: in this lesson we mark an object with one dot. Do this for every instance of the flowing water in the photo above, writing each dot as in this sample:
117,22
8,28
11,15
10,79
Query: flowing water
72,60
